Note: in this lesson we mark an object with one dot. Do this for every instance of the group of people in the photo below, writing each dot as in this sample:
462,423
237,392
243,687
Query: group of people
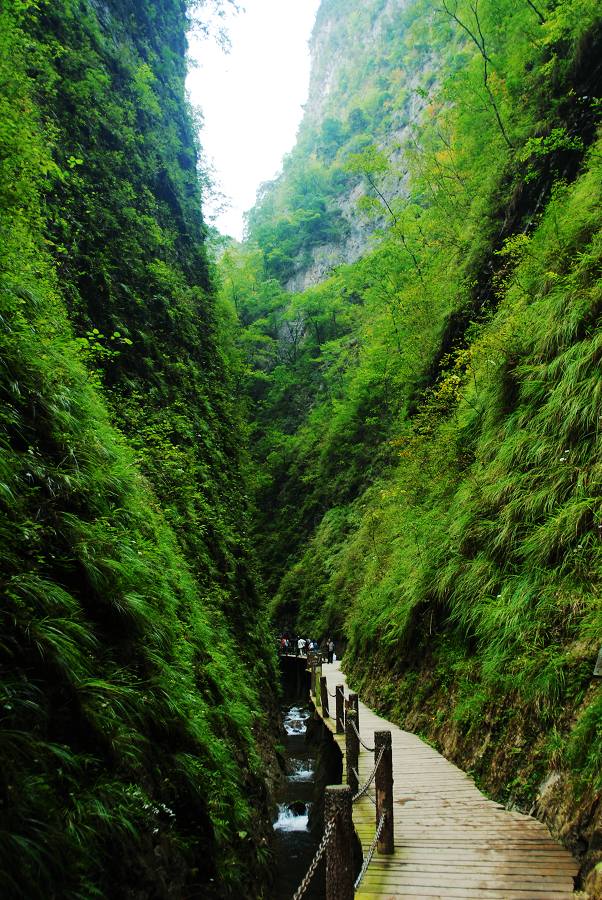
301,646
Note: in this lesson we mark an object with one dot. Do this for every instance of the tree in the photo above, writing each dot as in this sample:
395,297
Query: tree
475,33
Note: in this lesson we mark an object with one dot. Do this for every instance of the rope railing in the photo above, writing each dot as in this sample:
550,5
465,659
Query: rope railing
326,838
370,853
358,795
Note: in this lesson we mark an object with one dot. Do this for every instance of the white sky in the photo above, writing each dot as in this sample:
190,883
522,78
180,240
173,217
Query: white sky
251,97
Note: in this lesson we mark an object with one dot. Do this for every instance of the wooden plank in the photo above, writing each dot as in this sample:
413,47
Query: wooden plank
411,855
517,868
442,851
443,893
476,837
467,879
470,888
532,881
366,831
451,841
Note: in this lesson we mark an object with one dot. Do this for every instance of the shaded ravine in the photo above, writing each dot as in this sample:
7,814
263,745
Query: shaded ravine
311,760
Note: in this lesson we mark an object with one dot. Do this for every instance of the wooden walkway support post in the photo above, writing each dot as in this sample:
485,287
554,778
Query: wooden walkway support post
384,789
354,703
340,707
352,750
455,841
324,696
339,855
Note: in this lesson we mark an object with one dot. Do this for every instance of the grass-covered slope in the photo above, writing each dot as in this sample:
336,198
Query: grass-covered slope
131,660
430,415
479,559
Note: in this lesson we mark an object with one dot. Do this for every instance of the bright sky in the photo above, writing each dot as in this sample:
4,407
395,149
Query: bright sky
251,97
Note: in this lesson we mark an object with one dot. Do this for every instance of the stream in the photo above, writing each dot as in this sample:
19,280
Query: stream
311,761
296,839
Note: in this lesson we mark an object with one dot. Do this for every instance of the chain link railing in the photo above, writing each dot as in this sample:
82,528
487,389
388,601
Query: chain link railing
370,853
359,737
363,789
337,844
326,837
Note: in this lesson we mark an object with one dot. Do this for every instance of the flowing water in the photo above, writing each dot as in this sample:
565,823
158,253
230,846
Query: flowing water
298,825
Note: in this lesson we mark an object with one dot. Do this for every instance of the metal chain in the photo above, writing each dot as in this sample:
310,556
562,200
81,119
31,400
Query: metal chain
359,737
328,832
332,695
370,853
357,796
363,790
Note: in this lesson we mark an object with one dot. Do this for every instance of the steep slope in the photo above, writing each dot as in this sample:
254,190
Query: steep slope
134,671
429,414
372,67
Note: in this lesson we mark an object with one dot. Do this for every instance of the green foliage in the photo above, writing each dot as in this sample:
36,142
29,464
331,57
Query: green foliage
311,218
132,650
540,147
428,476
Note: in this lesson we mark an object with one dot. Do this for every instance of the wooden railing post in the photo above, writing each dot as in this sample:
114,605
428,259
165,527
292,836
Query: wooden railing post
340,707
352,750
312,676
354,702
384,789
324,696
339,855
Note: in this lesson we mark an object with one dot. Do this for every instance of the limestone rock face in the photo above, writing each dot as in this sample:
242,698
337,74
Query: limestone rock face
357,99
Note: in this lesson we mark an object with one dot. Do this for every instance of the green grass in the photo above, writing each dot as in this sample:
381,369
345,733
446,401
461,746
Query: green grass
129,707
435,496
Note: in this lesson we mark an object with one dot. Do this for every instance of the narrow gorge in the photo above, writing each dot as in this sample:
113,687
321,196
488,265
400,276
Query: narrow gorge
377,419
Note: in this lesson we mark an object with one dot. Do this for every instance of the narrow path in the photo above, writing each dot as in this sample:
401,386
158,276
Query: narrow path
450,840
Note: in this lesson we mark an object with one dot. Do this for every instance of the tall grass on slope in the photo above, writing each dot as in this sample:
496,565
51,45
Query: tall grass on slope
503,552
126,718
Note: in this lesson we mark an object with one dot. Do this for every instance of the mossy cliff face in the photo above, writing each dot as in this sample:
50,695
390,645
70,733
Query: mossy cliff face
371,69
430,414
134,671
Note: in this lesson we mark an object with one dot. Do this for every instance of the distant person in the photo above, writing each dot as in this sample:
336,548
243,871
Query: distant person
330,649
301,646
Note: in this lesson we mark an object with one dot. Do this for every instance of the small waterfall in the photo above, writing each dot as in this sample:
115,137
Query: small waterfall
295,720
297,834
301,769
311,761
290,819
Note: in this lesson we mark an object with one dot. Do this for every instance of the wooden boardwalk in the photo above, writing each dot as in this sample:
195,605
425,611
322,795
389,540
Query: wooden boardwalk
450,840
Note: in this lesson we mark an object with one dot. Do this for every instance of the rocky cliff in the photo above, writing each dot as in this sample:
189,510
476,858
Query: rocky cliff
368,89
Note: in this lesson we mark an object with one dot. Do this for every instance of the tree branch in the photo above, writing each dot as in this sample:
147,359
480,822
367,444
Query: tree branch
539,15
478,40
